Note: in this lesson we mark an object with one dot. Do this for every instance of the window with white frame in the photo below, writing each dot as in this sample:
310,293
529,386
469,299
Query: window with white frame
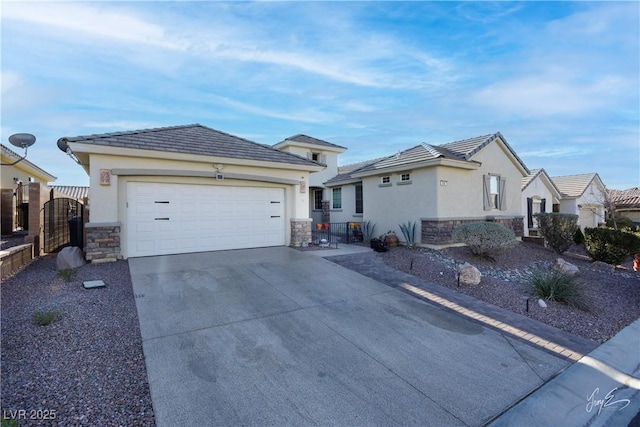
405,177
337,198
385,180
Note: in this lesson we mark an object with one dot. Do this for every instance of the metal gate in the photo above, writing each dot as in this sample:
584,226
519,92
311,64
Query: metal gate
63,224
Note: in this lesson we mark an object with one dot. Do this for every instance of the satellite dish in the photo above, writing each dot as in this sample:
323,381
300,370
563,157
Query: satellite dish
22,140
63,145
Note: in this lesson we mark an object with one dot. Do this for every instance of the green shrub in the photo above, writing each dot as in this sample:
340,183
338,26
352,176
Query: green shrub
578,237
40,318
484,238
66,274
610,246
557,229
409,233
622,222
553,285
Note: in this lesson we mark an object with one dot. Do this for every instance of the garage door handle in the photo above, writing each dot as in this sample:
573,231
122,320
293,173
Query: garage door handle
161,201
275,216
162,219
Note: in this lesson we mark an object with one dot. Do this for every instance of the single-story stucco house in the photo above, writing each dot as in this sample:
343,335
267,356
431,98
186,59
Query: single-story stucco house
436,186
583,195
187,189
539,194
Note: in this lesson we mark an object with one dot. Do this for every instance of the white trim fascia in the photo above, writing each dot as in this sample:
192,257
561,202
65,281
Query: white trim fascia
27,166
289,143
78,147
200,174
460,164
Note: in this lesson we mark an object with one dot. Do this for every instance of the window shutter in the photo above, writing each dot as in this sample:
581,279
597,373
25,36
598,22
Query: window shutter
323,158
309,155
502,194
529,212
486,192
543,205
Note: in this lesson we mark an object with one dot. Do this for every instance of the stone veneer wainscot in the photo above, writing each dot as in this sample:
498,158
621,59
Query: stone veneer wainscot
438,231
300,231
102,241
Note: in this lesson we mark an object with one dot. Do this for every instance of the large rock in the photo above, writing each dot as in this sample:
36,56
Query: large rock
565,267
468,274
70,257
602,266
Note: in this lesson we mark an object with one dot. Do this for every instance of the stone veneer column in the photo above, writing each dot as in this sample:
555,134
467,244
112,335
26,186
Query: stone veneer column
300,231
37,199
102,242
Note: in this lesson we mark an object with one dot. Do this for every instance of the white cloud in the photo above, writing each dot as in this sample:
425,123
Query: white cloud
94,20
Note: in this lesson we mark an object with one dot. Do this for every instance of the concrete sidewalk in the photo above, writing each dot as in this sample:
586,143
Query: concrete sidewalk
601,389
279,337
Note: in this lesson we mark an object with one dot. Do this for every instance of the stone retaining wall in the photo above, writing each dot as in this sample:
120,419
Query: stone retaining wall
102,242
12,259
438,232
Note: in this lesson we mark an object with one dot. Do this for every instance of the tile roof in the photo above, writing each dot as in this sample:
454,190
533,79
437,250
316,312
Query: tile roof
344,172
625,198
15,156
193,139
72,191
312,141
526,180
573,185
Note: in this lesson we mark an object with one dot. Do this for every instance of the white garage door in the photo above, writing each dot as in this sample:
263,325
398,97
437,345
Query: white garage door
178,218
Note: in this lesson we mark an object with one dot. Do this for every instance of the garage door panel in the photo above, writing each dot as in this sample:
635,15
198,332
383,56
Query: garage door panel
202,217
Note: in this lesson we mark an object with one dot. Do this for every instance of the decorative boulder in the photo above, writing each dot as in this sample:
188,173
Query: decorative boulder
602,266
565,267
468,274
70,257
542,304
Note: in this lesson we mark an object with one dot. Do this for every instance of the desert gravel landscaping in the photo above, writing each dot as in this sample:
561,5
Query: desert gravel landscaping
615,295
87,367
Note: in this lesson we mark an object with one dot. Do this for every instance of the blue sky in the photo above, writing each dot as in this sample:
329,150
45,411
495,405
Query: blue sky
559,80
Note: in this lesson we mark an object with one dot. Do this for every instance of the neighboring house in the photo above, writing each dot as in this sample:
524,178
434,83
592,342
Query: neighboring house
626,203
188,189
583,195
439,187
79,193
323,152
539,194
20,192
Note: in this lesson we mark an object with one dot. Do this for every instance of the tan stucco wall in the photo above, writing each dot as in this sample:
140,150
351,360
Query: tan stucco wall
462,196
348,211
388,206
317,179
108,202
16,171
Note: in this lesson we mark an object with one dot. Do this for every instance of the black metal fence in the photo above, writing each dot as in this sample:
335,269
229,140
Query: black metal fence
337,232
63,224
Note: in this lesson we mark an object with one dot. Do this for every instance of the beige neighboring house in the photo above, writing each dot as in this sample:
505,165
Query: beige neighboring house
627,203
439,187
583,195
20,196
188,189
325,153
539,194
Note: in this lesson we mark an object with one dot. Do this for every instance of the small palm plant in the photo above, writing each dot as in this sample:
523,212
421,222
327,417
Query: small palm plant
367,231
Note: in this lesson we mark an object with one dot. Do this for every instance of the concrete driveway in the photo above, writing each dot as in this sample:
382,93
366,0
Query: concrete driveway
279,337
